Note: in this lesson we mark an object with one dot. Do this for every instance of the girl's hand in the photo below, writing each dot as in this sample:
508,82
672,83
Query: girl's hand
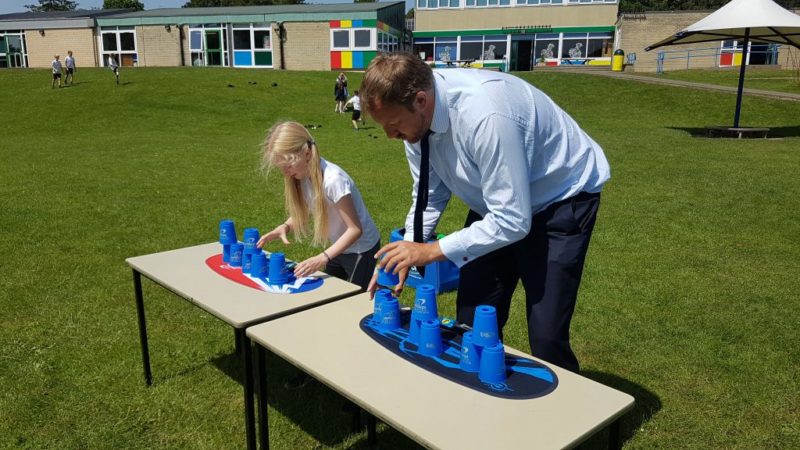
311,265
279,232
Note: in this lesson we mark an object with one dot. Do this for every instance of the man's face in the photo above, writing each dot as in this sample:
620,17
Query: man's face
399,122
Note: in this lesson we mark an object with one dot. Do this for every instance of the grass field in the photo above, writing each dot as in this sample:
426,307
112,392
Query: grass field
768,80
689,302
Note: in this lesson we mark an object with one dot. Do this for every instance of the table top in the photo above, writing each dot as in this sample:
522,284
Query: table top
437,413
184,272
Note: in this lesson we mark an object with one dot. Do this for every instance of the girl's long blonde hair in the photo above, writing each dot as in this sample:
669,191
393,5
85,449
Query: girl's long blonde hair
285,144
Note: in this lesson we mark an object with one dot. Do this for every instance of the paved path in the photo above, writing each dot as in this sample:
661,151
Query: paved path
689,84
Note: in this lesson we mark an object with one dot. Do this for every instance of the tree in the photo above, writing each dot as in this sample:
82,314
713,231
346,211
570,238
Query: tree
211,3
53,5
127,4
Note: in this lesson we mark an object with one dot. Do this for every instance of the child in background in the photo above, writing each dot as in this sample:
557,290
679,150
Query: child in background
321,192
112,64
69,61
356,102
56,65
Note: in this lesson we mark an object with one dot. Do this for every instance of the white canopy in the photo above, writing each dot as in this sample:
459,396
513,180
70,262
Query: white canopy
767,21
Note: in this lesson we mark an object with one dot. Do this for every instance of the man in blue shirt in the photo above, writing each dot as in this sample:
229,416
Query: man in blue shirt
530,176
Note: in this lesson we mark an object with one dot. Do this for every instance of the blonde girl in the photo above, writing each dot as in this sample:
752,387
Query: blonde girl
324,202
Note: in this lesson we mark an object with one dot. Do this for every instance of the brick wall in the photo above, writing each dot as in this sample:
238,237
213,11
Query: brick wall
637,31
158,47
307,46
41,49
640,30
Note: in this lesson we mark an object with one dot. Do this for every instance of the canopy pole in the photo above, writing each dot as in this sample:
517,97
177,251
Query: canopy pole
745,50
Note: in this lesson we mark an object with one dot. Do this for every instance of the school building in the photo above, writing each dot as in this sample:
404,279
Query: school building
517,34
291,37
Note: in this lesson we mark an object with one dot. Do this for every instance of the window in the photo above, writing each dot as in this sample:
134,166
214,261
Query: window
494,47
119,43
471,47
445,49
261,39
209,44
241,40
341,39
424,48
362,39
344,39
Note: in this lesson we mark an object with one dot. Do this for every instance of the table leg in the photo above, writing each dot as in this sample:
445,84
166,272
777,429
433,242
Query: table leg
137,288
249,407
372,437
613,436
261,374
237,342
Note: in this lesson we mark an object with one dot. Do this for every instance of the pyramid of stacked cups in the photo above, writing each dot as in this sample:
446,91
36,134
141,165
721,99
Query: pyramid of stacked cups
481,349
252,260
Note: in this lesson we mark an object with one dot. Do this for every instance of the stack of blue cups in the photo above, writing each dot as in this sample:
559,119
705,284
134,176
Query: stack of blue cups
258,265
278,274
236,251
481,349
251,237
386,310
227,236
430,338
424,309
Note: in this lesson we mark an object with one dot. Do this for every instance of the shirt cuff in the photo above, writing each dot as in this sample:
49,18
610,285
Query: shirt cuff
454,251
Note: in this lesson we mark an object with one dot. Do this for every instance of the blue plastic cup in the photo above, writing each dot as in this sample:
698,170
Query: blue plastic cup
493,364
484,326
227,232
226,253
277,269
250,238
425,302
387,279
258,265
380,296
430,338
470,354
413,328
236,255
389,318
247,258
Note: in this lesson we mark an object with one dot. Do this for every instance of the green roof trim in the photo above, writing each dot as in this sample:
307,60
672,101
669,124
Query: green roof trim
260,18
532,30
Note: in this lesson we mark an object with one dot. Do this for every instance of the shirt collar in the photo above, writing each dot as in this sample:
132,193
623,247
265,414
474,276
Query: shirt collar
441,118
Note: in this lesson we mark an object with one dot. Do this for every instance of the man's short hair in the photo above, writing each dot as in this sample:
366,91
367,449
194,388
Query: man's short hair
395,78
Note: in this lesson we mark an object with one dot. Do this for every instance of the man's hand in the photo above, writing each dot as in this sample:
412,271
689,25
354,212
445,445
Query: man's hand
398,289
402,255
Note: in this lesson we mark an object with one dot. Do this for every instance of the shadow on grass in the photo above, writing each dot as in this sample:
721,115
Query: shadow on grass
316,409
774,132
646,406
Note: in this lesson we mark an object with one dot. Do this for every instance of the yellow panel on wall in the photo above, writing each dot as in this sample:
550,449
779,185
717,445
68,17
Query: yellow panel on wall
347,60
346,23
737,59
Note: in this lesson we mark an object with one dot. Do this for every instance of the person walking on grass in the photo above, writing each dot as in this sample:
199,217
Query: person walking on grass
112,64
56,65
321,199
69,62
356,102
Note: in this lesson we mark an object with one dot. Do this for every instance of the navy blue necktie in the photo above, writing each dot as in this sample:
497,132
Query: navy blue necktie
422,194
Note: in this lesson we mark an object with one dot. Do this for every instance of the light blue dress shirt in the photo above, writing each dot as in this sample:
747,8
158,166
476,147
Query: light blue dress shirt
505,149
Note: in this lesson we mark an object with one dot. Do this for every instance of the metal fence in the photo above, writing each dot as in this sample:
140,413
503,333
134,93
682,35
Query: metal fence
701,56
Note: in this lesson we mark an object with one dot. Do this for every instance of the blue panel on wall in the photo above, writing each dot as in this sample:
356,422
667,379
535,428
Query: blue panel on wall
358,23
242,58
358,60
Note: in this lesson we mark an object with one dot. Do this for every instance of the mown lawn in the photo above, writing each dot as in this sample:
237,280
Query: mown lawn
786,80
689,300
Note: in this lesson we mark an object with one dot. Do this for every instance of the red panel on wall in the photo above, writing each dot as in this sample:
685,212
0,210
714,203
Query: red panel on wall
336,60
335,24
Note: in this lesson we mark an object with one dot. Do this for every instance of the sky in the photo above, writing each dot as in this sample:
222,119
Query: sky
15,6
